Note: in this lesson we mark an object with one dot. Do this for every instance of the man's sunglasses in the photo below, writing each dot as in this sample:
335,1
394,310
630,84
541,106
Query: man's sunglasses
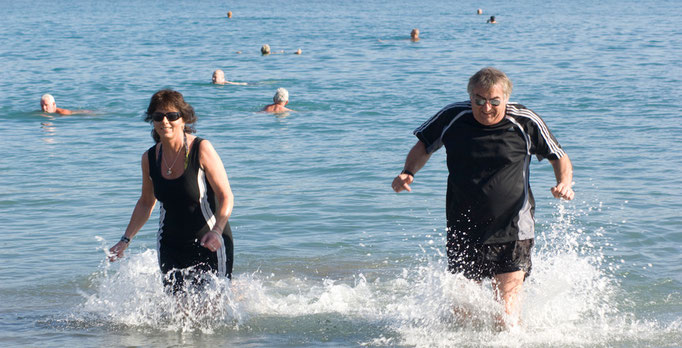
171,116
482,101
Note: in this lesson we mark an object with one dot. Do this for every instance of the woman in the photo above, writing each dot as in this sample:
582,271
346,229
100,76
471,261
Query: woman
186,175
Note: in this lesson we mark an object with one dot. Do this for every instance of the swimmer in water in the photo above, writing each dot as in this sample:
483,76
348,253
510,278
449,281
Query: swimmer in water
48,104
265,50
479,11
280,100
229,14
491,20
414,35
219,79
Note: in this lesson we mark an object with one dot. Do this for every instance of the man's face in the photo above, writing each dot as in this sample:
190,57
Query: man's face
489,114
48,106
218,77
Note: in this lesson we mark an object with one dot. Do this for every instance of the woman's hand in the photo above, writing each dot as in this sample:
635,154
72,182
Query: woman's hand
116,252
212,241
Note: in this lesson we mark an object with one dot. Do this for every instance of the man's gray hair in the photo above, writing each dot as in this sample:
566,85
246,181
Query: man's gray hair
488,77
47,97
281,96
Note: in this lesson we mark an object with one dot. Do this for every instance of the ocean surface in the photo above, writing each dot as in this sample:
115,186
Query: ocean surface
326,254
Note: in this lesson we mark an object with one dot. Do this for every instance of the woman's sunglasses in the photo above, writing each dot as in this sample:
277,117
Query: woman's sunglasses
171,116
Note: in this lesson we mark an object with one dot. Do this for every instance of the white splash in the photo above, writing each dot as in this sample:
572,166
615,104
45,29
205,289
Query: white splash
571,298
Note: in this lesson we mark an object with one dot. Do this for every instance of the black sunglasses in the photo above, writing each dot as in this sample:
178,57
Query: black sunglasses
171,116
482,101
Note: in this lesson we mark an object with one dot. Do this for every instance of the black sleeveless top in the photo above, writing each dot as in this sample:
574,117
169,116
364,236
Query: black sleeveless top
188,204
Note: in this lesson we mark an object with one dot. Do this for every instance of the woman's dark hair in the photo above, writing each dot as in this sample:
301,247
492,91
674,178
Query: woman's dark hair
166,98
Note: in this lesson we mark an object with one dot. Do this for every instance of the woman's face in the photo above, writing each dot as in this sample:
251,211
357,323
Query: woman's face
168,129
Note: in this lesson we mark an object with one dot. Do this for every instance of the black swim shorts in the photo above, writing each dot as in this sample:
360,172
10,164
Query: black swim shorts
479,261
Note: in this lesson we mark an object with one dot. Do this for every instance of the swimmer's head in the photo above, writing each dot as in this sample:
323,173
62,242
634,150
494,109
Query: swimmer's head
298,51
479,11
492,19
281,96
47,103
265,49
229,14
218,77
415,34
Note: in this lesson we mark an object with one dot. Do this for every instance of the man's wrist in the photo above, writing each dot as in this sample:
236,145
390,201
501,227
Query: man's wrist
408,172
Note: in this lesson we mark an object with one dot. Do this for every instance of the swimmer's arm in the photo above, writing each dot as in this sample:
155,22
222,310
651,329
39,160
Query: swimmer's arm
141,213
416,159
563,171
237,83
217,178
64,111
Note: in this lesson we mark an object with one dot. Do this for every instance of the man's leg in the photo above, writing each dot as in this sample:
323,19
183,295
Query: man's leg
507,288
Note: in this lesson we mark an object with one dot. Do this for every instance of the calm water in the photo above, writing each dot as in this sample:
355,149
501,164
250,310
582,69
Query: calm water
326,253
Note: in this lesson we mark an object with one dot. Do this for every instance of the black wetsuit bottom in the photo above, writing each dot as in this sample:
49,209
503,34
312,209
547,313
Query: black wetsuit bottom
186,265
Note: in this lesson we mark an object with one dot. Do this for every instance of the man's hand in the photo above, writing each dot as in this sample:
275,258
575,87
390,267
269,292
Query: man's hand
563,191
402,182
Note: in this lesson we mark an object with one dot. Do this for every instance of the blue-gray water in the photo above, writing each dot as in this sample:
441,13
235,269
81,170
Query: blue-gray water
326,253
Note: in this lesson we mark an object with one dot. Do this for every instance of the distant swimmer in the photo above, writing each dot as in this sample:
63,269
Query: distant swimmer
491,20
219,79
265,49
479,11
281,99
229,14
414,35
489,203
298,51
47,104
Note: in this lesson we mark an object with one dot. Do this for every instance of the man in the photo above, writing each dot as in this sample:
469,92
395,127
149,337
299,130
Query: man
265,49
48,104
489,204
219,79
281,99
414,35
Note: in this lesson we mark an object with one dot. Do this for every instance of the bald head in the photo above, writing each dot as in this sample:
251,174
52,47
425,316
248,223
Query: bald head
219,77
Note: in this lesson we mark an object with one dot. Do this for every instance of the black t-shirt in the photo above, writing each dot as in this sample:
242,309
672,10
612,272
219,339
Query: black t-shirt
489,199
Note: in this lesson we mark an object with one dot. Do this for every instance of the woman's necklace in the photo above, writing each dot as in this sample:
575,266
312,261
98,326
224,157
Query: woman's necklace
170,168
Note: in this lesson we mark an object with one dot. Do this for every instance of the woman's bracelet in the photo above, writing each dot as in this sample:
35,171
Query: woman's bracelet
218,233
125,239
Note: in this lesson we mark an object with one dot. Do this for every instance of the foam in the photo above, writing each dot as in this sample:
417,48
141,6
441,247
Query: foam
572,298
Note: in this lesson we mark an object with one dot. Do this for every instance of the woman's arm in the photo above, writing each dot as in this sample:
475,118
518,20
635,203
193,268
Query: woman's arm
217,177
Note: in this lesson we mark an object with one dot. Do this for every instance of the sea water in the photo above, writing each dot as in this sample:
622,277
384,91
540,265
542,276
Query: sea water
325,252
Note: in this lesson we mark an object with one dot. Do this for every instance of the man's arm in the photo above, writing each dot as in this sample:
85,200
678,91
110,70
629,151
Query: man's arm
416,159
563,171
